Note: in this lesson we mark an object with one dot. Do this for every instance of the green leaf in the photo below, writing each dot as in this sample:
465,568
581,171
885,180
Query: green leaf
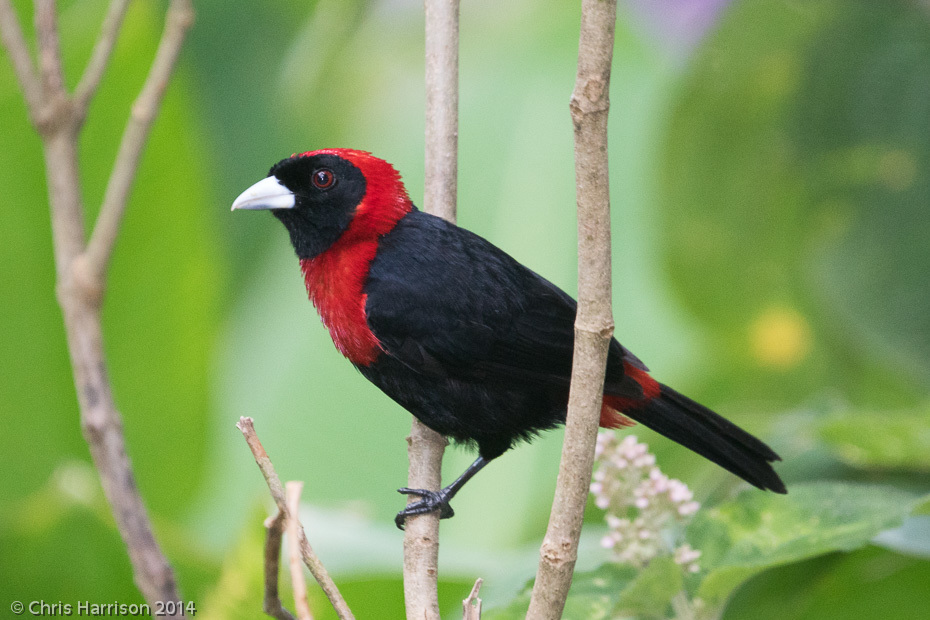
869,583
610,591
651,592
593,595
903,443
756,530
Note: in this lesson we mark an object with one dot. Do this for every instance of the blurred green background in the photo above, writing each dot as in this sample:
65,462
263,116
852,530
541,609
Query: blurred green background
769,166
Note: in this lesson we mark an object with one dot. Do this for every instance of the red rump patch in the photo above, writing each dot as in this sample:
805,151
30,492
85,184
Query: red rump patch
613,405
335,279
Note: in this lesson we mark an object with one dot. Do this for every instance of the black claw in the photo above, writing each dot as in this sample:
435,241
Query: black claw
432,501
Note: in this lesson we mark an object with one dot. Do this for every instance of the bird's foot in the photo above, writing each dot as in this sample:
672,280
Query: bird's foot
431,501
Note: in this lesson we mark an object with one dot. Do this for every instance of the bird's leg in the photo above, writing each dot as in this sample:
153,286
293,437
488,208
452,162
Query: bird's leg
437,500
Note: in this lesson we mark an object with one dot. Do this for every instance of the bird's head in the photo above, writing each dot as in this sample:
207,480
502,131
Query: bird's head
327,195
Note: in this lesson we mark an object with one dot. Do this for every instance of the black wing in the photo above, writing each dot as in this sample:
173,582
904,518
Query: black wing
447,303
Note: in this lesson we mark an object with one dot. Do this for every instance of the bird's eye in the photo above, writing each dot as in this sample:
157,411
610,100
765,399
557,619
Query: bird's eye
323,178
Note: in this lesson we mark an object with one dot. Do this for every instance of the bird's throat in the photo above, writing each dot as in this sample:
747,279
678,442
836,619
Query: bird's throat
335,281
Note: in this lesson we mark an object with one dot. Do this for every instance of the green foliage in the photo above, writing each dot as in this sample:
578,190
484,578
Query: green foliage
738,539
870,583
756,531
793,176
903,442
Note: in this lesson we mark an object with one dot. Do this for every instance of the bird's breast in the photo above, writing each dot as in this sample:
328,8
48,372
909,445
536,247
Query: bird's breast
335,281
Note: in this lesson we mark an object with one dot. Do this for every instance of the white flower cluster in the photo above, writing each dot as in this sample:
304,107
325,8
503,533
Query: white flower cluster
641,503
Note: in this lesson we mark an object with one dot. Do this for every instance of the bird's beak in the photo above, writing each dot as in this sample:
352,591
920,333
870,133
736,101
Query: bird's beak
266,194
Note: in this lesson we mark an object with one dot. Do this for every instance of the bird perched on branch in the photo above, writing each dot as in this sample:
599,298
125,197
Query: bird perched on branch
471,342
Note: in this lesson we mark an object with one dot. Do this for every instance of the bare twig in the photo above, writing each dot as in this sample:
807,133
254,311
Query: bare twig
12,36
178,20
310,559
272,602
442,103
421,535
80,289
46,22
594,323
471,606
103,49
292,494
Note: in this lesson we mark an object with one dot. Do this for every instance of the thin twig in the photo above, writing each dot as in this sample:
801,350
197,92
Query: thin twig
442,108
178,20
594,323
50,72
471,606
312,562
425,447
292,494
12,36
272,602
100,57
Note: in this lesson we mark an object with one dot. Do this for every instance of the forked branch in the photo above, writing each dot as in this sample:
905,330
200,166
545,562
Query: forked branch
58,118
309,557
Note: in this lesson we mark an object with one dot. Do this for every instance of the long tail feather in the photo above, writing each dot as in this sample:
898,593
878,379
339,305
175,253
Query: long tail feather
696,427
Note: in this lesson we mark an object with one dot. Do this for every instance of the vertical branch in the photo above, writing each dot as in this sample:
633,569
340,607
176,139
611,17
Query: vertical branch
421,536
271,604
46,22
292,497
594,322
442,107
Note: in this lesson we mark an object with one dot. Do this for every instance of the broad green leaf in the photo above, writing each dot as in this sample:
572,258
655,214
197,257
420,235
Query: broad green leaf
757,530
869,583
901,441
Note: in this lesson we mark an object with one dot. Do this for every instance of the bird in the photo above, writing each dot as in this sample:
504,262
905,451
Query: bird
474,344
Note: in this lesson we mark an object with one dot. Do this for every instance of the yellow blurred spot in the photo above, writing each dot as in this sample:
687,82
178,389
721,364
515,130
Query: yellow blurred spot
897,169
777,75
780,337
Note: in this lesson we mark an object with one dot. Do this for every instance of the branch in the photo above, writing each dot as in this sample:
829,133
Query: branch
594,323
272,603
46,22
178,20
471,606
292,494
100,57
442,101
425,447
11,35
421,533
80,296
310,559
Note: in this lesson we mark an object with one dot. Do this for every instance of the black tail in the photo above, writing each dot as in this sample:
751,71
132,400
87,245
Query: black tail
698,428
